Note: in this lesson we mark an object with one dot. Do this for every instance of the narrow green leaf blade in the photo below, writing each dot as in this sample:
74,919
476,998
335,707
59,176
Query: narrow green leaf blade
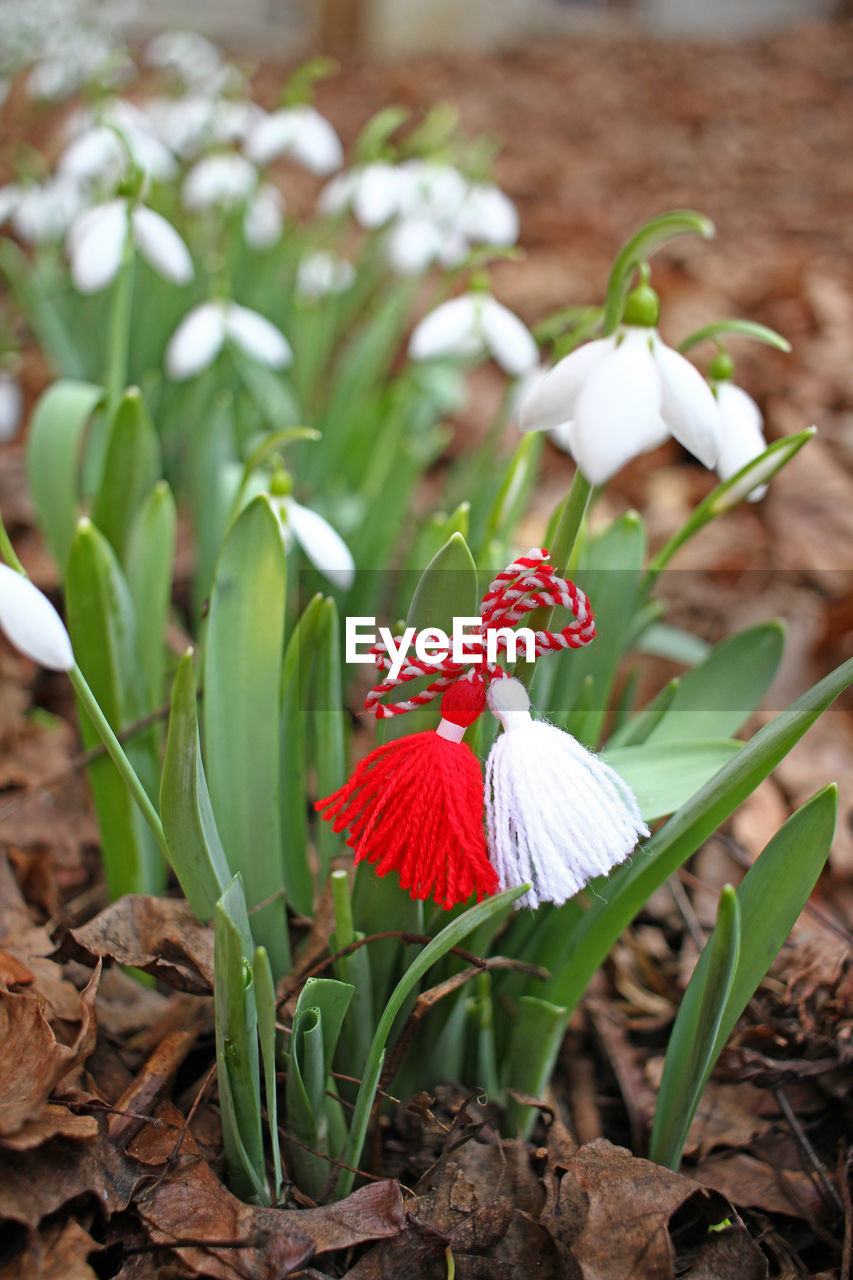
150,557
54,447
242,682
688,1062
265,1002
131,467
295,688
447,589
194,844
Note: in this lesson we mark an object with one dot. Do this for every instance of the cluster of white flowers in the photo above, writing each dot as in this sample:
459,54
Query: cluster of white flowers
432,212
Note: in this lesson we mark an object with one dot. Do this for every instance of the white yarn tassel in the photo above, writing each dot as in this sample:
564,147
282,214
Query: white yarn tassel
556,814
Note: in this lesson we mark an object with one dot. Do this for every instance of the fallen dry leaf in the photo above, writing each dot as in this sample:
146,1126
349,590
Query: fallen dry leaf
34,1062
615,1215
34,1184
59,1254
224,1238
158,935
756,1184
374,1212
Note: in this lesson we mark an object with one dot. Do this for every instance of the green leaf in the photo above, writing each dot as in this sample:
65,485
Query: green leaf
54,447
717,696
741,328
298,657
237,1044
149,558
195,848
661,640
102,626
242,703
692,1061
631,886
447,589
450,936
327,722
537,1032
637,729
131,467
756,472
665,775
265,1003
770,897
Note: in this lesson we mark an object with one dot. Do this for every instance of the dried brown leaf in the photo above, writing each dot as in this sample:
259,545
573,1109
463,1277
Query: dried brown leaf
374,1212
225,1239
34,1061
158,935
755,1184
59,1254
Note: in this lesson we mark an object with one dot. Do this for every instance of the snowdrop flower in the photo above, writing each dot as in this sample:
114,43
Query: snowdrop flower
11,406
191,56
322,544
263,220
431,190
31,623
488,216
43,211
414,244
203,332
471,325
322,273
225,179
99,155
616,397
373,192
96,244
300,132
191,123
743,437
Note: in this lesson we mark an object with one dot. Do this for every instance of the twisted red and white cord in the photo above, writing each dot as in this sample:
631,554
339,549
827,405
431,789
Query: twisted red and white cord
530,582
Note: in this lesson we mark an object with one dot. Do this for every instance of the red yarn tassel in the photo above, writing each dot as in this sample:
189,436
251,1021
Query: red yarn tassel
415,806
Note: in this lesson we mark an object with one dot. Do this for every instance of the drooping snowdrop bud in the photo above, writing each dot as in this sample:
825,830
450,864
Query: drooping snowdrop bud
621,396
203,332
413,245
488,216
11,406
372,191
98,154
556,814
97,240
263,220
31,623
321,273
322,544
299,132
226,180
743,426
43,211
471,326
191,56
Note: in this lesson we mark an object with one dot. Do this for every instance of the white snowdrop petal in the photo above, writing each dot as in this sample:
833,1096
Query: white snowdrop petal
322,544
92,154
412,246
688,406
316,145
160,244
618,411
489,217
225,179
508,339
269,137
263,221
337,194
96,245
553,398
375,199
257,337
196,342
31,623
449,330
743,438
11,406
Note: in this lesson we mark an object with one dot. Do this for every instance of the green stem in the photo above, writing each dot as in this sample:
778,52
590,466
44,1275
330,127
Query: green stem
7,551
117,755
650,237
116,378
344,927
562,549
